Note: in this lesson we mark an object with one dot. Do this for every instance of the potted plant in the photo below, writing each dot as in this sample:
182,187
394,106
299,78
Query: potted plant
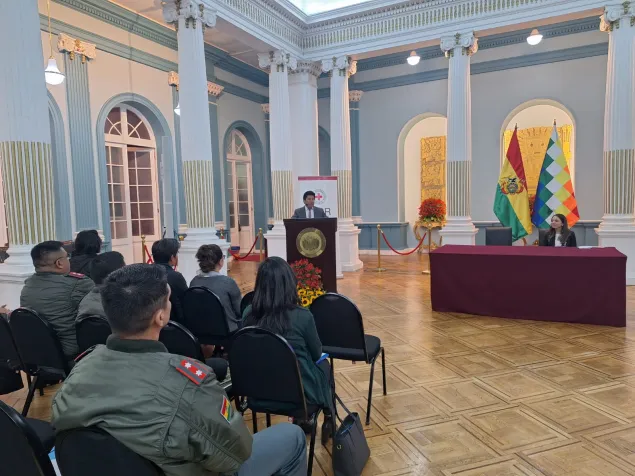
309,279
432,212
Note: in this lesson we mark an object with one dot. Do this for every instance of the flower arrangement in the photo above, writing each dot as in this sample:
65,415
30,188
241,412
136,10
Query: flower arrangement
309,281
432,210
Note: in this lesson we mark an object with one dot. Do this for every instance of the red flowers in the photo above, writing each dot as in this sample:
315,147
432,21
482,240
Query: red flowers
432,209
308,275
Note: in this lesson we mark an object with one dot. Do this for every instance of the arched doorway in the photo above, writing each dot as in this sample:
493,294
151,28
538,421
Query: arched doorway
240,190
133,186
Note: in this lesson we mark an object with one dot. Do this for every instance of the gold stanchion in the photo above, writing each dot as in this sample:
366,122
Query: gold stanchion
427,271
379,269
144,259
262,255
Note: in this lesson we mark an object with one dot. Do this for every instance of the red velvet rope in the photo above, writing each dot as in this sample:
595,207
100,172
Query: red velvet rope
400,253
249,253
150,260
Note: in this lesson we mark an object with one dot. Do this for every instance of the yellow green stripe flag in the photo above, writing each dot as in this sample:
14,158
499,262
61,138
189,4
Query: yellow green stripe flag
511,204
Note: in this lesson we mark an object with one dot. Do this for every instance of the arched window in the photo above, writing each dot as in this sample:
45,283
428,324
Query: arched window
239,189
133,190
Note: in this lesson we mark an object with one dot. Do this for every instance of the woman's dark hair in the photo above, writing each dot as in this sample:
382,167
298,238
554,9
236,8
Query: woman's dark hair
104,264
208,257
87,242
274,295
165,249
564,231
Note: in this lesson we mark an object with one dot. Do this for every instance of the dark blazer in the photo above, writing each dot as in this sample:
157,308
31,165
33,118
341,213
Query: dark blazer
571,242
317,213
178,287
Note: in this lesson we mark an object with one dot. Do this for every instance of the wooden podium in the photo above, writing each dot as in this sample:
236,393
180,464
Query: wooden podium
314,239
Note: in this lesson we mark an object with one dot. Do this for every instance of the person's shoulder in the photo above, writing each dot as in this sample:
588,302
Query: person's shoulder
74,275
301,313
195,372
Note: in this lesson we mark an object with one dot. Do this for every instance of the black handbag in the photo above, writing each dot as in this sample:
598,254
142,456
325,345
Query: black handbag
350,448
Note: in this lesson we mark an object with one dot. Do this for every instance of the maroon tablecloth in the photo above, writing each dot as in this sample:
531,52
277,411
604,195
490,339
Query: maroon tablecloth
526,282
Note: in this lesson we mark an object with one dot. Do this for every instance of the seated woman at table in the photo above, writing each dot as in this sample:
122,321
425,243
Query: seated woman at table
559,233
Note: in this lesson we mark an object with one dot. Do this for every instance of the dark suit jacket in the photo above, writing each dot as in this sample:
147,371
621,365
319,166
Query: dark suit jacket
571,242
317,213
178,286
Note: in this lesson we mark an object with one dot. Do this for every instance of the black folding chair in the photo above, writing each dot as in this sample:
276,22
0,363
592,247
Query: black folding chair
26,444
92,451
264,368
204,316
341,329
180,341
91,331
10,362
40,350
245,302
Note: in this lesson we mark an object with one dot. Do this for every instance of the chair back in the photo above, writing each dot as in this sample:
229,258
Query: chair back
542,234
204,315
263,366
91,331
178,340
245,302
92,451
37,342
498,236
22,451
339,322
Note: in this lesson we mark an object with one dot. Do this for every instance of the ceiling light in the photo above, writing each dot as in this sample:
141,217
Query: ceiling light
534,38
177,109
413,59
52,74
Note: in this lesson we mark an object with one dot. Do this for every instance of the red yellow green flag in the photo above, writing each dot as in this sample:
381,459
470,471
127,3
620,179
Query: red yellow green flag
511,204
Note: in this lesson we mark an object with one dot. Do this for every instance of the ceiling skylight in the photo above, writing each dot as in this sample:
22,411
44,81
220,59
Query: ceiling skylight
312,7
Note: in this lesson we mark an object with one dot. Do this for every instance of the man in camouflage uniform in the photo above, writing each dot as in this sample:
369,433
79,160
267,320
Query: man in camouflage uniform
167,408
55,293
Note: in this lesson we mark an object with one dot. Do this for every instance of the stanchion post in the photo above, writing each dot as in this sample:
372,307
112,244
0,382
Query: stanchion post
427,271
262,256
379,269
143,249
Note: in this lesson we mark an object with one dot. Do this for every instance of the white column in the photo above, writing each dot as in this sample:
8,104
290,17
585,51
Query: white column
279,64
459,229
304,126
190,18
25,144
341,69
618,223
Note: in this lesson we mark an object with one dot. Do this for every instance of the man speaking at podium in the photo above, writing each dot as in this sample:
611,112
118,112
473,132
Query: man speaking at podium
309,210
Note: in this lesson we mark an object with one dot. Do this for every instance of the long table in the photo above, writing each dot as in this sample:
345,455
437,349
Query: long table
585,286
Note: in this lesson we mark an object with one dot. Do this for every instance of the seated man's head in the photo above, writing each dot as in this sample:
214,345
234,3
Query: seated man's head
104,264
50,257
166,251
87,242
309,199
136,301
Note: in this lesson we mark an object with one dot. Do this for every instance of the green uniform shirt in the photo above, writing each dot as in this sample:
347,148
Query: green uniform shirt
56,297
169,409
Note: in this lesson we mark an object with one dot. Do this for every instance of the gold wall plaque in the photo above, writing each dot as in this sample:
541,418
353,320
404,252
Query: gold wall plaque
433,167
311,242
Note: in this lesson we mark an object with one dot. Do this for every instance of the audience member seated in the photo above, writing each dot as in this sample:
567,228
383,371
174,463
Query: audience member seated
168,409
87,247
559,233
211,259
54,292
275,307
165,253
101,267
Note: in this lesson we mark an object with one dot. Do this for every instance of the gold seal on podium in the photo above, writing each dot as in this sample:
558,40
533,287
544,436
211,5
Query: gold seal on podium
311,242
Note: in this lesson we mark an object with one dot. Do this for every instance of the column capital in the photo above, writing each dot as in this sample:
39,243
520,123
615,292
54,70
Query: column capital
311,67
265,108
355,96
73,46
213,89
467,43
612,15
191,11
278,59
344,65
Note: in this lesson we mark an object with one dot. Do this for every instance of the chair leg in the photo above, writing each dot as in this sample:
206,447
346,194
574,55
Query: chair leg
383,368
370,390
268,420
254,420
332,370
312,444
29,397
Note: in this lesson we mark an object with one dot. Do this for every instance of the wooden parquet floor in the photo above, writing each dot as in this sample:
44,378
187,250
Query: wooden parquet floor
471,395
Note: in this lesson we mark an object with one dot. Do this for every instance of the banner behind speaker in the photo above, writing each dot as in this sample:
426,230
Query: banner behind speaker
325,189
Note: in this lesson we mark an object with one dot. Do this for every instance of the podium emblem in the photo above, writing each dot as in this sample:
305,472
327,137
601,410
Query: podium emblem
311,242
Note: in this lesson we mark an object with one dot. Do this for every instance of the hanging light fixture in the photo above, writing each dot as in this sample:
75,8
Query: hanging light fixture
52,73
177,109
413,59
534,38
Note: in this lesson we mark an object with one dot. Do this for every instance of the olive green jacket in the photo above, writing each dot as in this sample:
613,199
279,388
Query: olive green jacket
56,297
137,392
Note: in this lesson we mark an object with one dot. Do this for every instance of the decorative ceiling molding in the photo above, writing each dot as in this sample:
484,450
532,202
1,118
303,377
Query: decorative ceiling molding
213,89
73,46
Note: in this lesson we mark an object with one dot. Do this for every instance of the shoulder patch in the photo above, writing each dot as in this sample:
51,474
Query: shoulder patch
76,275
192,371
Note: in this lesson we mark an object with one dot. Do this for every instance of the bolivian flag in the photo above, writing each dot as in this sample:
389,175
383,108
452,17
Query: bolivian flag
511,204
